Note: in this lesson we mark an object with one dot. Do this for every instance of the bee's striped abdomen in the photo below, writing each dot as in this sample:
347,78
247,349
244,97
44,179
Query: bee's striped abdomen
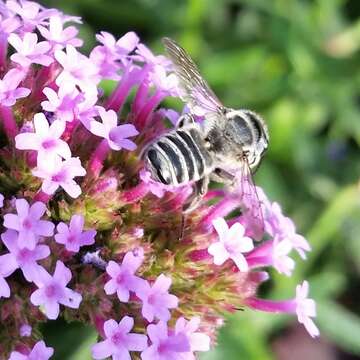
178,157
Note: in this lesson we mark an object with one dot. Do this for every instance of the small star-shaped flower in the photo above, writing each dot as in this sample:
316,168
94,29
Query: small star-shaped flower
231,245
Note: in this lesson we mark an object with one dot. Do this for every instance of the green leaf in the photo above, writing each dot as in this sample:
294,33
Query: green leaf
339,325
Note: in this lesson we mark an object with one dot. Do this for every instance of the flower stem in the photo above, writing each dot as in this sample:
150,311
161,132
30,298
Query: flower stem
10,127
284,306
148,108
97,159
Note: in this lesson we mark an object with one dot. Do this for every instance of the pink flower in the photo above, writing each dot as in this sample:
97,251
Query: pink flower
7,266
46,140
119,341
26,259
155,187
1,200
31,13
303,307
123,278
306,309
273,253
9,88
114,134
28,224
29,51
283,263
57,36
52,291
198,341
38,352
62,103
61,174
77,70
73,236
25,330
156,299
281,227
232,243
165,345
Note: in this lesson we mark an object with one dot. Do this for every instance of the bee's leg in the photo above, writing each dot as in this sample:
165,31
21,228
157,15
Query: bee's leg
199,190
184,120
222,176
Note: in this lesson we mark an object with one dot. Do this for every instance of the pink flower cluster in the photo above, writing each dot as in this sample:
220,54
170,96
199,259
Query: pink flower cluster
86,233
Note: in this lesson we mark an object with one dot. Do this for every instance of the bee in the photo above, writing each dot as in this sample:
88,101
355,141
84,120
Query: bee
227,146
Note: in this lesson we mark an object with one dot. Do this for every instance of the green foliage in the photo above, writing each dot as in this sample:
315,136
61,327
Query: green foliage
297,63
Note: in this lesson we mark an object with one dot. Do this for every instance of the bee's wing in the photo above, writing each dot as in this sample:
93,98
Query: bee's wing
197,92
252,214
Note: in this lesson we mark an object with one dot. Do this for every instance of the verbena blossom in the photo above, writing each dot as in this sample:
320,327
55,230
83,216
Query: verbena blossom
27,222
123,278
116,135
46,140
165,344
156,300
24,258
60,173
25,330
119,341
72,158
29,51
52,291
10,91
232,243
73,236
39,352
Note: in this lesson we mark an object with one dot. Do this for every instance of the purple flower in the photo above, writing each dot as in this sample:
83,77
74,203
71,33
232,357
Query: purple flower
302,306
29,51
165,345
232,243
62,103
31,13
123,279
114,134
119,341
306,309
1,200
73,236
281,227
273,253
61,173
77,70
155,187
198,341
25,330
57,36
156,299
9,90
7,266
27,222
52,291
38,352
107,56
26,259
46,140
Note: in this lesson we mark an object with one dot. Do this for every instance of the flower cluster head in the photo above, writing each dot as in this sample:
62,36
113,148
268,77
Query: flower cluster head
86,233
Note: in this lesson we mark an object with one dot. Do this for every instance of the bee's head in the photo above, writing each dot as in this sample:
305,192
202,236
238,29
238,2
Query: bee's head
245,134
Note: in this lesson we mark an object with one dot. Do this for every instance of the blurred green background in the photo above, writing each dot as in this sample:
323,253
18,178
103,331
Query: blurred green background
297,62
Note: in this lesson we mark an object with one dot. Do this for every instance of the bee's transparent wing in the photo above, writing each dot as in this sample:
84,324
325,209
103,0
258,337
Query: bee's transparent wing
196,92
253,215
